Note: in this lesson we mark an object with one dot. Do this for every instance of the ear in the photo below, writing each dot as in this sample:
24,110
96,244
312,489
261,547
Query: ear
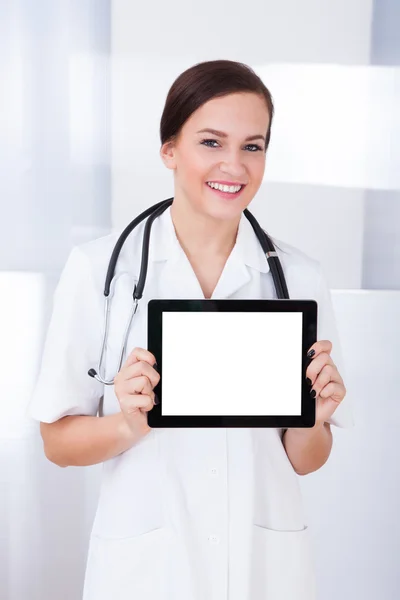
167,153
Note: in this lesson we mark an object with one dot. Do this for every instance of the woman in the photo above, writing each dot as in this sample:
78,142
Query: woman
189,514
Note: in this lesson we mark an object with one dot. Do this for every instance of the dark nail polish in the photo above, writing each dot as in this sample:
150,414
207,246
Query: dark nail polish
155,366
311,353
313,393
309,381
156,400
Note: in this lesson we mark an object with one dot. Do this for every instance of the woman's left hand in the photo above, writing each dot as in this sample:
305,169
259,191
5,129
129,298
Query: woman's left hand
325,380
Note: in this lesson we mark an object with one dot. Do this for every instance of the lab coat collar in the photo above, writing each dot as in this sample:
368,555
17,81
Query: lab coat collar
247,250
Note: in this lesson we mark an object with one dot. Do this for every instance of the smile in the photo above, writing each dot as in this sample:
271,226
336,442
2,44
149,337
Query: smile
229,192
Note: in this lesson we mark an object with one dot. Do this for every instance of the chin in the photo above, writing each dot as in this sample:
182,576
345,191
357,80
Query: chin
225,212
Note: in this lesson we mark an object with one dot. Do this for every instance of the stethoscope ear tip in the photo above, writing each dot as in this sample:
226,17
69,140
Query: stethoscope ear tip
92,373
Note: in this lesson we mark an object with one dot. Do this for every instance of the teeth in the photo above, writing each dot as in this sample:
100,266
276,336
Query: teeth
225,188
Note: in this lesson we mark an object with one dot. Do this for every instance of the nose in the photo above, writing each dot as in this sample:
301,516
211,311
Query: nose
233,165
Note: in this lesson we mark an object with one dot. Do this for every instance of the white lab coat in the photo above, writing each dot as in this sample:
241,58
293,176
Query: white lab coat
185,514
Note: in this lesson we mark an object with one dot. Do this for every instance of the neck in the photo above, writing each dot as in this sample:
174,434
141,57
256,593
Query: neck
202,235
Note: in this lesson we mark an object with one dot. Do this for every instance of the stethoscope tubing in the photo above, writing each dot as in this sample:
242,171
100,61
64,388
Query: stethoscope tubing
151,214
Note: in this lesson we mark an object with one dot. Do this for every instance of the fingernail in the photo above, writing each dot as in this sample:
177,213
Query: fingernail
155,366
156,400
313,393
311,353
309,381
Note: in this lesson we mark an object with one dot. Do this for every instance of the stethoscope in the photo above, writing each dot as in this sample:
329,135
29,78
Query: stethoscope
152,213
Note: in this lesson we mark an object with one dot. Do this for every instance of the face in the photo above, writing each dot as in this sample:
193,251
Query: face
226,156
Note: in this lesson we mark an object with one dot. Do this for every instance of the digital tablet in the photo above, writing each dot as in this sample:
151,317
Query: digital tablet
232,363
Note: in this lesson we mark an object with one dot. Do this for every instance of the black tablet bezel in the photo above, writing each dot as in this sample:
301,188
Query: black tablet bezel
309,310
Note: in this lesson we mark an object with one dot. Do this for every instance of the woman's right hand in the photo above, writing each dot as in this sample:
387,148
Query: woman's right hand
134,385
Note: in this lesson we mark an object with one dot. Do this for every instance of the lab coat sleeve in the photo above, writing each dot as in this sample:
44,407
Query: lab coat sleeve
327,330
71,347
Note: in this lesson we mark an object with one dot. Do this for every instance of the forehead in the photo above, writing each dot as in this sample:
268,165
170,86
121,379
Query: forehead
245,113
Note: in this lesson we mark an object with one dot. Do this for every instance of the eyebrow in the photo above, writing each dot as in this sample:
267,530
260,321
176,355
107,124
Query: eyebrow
224,135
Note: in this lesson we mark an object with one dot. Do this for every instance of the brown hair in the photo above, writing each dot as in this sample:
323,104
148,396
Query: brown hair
204,81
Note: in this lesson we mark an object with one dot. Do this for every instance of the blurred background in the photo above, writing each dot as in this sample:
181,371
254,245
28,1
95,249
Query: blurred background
82,88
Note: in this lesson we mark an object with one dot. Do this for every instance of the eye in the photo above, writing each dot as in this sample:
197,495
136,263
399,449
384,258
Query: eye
256,147
205,143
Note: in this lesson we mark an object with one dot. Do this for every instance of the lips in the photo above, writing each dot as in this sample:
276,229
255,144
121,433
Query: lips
226,195
226,182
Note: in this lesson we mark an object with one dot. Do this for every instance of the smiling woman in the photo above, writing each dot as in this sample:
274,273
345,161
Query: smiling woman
188,513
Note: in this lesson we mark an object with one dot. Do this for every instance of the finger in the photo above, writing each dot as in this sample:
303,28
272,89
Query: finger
150,403
316,366
327,374
133,404
335,391
318,347
139,385
139,369
140,354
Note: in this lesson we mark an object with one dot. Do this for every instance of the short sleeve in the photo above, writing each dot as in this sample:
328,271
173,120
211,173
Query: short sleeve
327,330
71,347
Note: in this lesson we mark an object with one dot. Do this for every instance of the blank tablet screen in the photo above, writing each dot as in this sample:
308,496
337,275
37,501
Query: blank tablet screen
231,363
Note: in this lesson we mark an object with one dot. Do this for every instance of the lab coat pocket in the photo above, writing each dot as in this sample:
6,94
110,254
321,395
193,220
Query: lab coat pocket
127,568
131,501
282,565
